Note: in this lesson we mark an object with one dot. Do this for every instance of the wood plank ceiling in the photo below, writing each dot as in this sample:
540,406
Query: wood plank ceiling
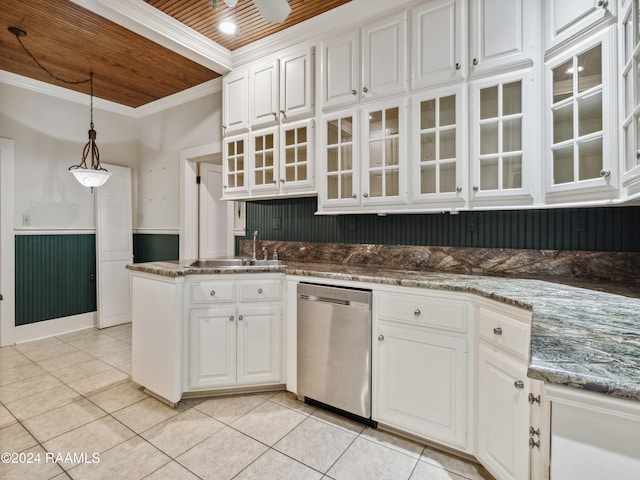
202,16
128,68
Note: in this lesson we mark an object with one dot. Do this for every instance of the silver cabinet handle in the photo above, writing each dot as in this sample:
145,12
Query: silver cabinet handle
475,61
417,312
282,180
533,399
240,318
365,89
476,188
354,195
275,181
533,431
212,293
284,115
497,331
458,65
354,91
231,318
603,3
458,189
518,384
365,195
605,173
259,291
381,337
275,115
534,444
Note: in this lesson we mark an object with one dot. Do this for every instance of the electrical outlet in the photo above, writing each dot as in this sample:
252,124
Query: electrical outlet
276,223
580,222
26,220
472,223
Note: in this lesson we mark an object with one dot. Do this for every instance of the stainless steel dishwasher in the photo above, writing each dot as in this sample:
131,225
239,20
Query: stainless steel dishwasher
334,348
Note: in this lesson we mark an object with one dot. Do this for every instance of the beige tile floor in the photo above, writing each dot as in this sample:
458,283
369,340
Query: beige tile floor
68,409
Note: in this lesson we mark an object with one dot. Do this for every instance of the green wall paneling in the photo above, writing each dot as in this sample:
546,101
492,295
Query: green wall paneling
155,247
54,276
598,229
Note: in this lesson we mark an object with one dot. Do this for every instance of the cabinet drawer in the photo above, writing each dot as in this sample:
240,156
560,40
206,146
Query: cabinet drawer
448,315
260,290
211,292
504,332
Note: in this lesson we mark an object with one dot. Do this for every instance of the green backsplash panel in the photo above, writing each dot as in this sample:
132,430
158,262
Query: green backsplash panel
155,247
599,229
54,276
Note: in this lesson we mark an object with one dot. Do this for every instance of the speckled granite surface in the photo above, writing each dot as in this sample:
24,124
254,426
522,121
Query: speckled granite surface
580,337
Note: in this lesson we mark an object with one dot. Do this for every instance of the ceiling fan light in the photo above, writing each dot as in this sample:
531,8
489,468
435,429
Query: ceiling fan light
228,28
275,11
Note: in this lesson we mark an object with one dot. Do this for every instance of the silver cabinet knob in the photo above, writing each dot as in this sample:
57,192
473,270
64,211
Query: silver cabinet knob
224,127
231,318
458,189
476,188
475,61
605,173
354,92
417,312
354,195
259,291
282,180
603,3
381,337
365,89
240,318
284,115
212,293
497,331
275,115
275,181
458,66
518,384
365,195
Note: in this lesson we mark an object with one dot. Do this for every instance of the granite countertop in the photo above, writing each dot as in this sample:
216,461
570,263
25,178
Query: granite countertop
580,337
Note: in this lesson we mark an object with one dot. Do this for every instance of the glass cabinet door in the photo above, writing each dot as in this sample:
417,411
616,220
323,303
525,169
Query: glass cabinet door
235,165
296,168
340,181
630,70
264,159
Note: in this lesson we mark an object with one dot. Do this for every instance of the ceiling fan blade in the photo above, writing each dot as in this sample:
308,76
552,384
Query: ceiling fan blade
273,10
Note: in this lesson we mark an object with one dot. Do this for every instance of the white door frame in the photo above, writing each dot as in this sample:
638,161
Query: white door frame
189,200
7,242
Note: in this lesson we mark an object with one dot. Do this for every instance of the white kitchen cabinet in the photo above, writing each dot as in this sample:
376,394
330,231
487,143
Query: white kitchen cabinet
504,139
237,339
297,153
264,161
566,20
235,105
629,70
420,365
264,91
297,74
364,158
512,426
438,33
235,167
582,122
593,435
354,72
503,33
440,162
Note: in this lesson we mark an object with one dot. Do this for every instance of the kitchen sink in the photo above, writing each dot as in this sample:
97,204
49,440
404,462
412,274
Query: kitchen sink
235,262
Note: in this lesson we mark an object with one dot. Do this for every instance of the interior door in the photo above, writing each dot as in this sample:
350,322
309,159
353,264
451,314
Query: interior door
114,247
213,221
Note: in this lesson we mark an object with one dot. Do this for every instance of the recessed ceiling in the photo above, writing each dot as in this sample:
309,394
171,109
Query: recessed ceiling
129,69
204,18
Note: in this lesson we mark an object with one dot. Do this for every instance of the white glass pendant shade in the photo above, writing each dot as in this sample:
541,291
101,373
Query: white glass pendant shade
89,177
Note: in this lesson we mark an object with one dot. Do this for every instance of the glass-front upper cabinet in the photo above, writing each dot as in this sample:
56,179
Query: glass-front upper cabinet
264,160
629,34
340,177
439,159
582,122
384,155
296,157
235,167
504,131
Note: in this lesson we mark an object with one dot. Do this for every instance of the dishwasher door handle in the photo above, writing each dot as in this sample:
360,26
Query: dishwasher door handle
315,298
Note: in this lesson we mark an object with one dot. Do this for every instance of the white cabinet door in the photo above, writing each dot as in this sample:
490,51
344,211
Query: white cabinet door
297,153
264,161
503,415
582,122
296,85
384,52
341,71
421,382
212,347
439,166
235,158
259,354
235,106
565,19
384,162
437,35
502,32
263,92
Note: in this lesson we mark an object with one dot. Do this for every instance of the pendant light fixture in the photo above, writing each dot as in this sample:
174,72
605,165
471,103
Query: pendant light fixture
95,175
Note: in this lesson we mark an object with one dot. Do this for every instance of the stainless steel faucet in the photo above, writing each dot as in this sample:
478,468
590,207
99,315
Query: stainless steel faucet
255,235
265,252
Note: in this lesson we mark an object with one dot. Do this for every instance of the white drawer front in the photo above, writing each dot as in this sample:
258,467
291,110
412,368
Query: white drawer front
208,292
260,290
448,315
504,332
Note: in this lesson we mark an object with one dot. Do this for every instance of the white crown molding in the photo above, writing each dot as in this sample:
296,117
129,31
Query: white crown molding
150,22
193,93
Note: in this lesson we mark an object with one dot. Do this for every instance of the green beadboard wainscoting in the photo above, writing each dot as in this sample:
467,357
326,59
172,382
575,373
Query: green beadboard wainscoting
615,229
155,247
55,276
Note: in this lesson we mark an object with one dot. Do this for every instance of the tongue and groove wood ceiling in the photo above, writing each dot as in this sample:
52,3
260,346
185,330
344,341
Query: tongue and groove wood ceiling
128,68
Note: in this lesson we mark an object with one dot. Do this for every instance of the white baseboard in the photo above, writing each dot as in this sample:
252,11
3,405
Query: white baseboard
56,326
